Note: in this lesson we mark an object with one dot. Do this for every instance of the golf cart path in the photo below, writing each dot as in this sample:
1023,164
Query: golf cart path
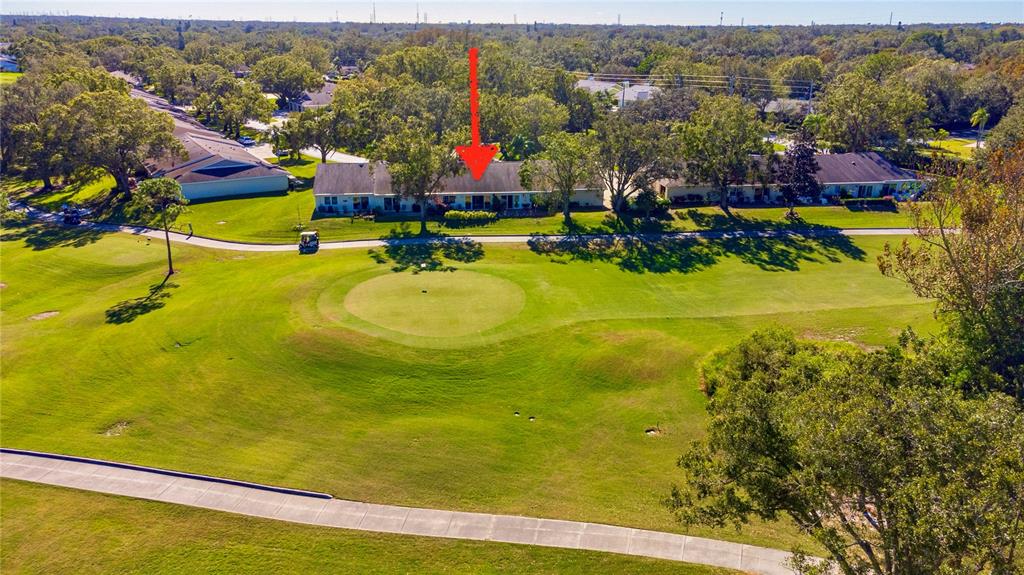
320,509
205,242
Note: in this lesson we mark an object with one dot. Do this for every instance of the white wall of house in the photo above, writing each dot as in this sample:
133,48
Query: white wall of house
235,187
757,194
868,189
744,194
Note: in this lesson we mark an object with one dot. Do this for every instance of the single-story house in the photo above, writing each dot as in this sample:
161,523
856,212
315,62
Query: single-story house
862,175
355,188
215,166
317,99
132,80
623,92
853,175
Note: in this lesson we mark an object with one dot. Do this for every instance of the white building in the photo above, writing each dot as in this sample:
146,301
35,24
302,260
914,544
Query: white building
356,188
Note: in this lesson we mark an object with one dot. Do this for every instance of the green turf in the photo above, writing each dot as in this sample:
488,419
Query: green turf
436,304
55,530
253,366
274,219
9,77
960,147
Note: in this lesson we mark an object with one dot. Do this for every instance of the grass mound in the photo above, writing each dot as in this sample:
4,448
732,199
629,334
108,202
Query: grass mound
452,304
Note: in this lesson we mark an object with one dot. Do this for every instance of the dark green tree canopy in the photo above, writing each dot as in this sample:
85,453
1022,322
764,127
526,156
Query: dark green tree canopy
891,477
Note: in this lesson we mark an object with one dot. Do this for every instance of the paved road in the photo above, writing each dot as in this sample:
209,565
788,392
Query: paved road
503,239
321,509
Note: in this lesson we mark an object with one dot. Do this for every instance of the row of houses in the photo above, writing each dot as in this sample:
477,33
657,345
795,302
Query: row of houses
353,188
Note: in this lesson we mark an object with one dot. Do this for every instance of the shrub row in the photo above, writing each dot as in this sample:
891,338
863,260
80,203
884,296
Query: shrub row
457,218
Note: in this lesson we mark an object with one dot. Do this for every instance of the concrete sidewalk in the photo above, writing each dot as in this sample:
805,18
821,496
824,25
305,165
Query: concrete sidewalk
319,509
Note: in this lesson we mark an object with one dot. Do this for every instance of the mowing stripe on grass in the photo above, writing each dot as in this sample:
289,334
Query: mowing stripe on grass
312,508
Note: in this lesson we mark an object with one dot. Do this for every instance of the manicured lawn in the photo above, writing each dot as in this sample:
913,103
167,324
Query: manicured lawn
274,219
961,147
286,369
56,530
78,192
9,77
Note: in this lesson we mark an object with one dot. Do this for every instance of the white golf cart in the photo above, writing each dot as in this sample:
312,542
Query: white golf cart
309,242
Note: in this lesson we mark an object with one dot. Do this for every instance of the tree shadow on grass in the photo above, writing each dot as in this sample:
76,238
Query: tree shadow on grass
772,246
626,223
43,236
408,251
128,311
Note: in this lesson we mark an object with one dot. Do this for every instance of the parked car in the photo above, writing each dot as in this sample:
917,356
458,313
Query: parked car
246,141
309,242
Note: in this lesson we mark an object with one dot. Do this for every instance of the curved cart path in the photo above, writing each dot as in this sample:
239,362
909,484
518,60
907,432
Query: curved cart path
313,508
499,239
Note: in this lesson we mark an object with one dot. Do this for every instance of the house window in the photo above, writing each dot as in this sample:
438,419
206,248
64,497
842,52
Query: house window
448,200
361,203
478,203
392,205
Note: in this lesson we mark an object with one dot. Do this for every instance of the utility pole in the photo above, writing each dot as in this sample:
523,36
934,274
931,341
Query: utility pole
721,17
890,18
416,27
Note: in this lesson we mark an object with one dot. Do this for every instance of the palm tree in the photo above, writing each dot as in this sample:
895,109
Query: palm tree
979,118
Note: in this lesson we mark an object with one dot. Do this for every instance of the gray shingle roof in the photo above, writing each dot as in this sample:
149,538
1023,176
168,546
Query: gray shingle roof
858,168
357,180
852,168
320,98
211,156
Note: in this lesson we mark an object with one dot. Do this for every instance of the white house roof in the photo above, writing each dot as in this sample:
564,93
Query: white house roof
622,91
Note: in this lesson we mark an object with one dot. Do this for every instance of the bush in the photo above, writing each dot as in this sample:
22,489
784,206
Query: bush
460,218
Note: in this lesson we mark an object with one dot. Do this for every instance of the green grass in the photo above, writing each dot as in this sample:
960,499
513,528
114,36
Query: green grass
55,530
272,367
9,77
960,147
274,218
76,192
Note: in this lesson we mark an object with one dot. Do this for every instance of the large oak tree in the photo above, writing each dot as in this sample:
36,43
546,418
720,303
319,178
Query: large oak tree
719,142
118,133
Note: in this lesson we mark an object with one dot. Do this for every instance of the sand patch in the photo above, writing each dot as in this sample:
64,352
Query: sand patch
117,428
43,315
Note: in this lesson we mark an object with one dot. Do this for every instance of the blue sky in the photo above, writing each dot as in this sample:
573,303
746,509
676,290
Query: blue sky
731,12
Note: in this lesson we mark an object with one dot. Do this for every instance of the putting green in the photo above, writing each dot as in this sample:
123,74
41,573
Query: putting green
436,304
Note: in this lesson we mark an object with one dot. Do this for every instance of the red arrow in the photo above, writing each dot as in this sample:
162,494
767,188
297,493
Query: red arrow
477,156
